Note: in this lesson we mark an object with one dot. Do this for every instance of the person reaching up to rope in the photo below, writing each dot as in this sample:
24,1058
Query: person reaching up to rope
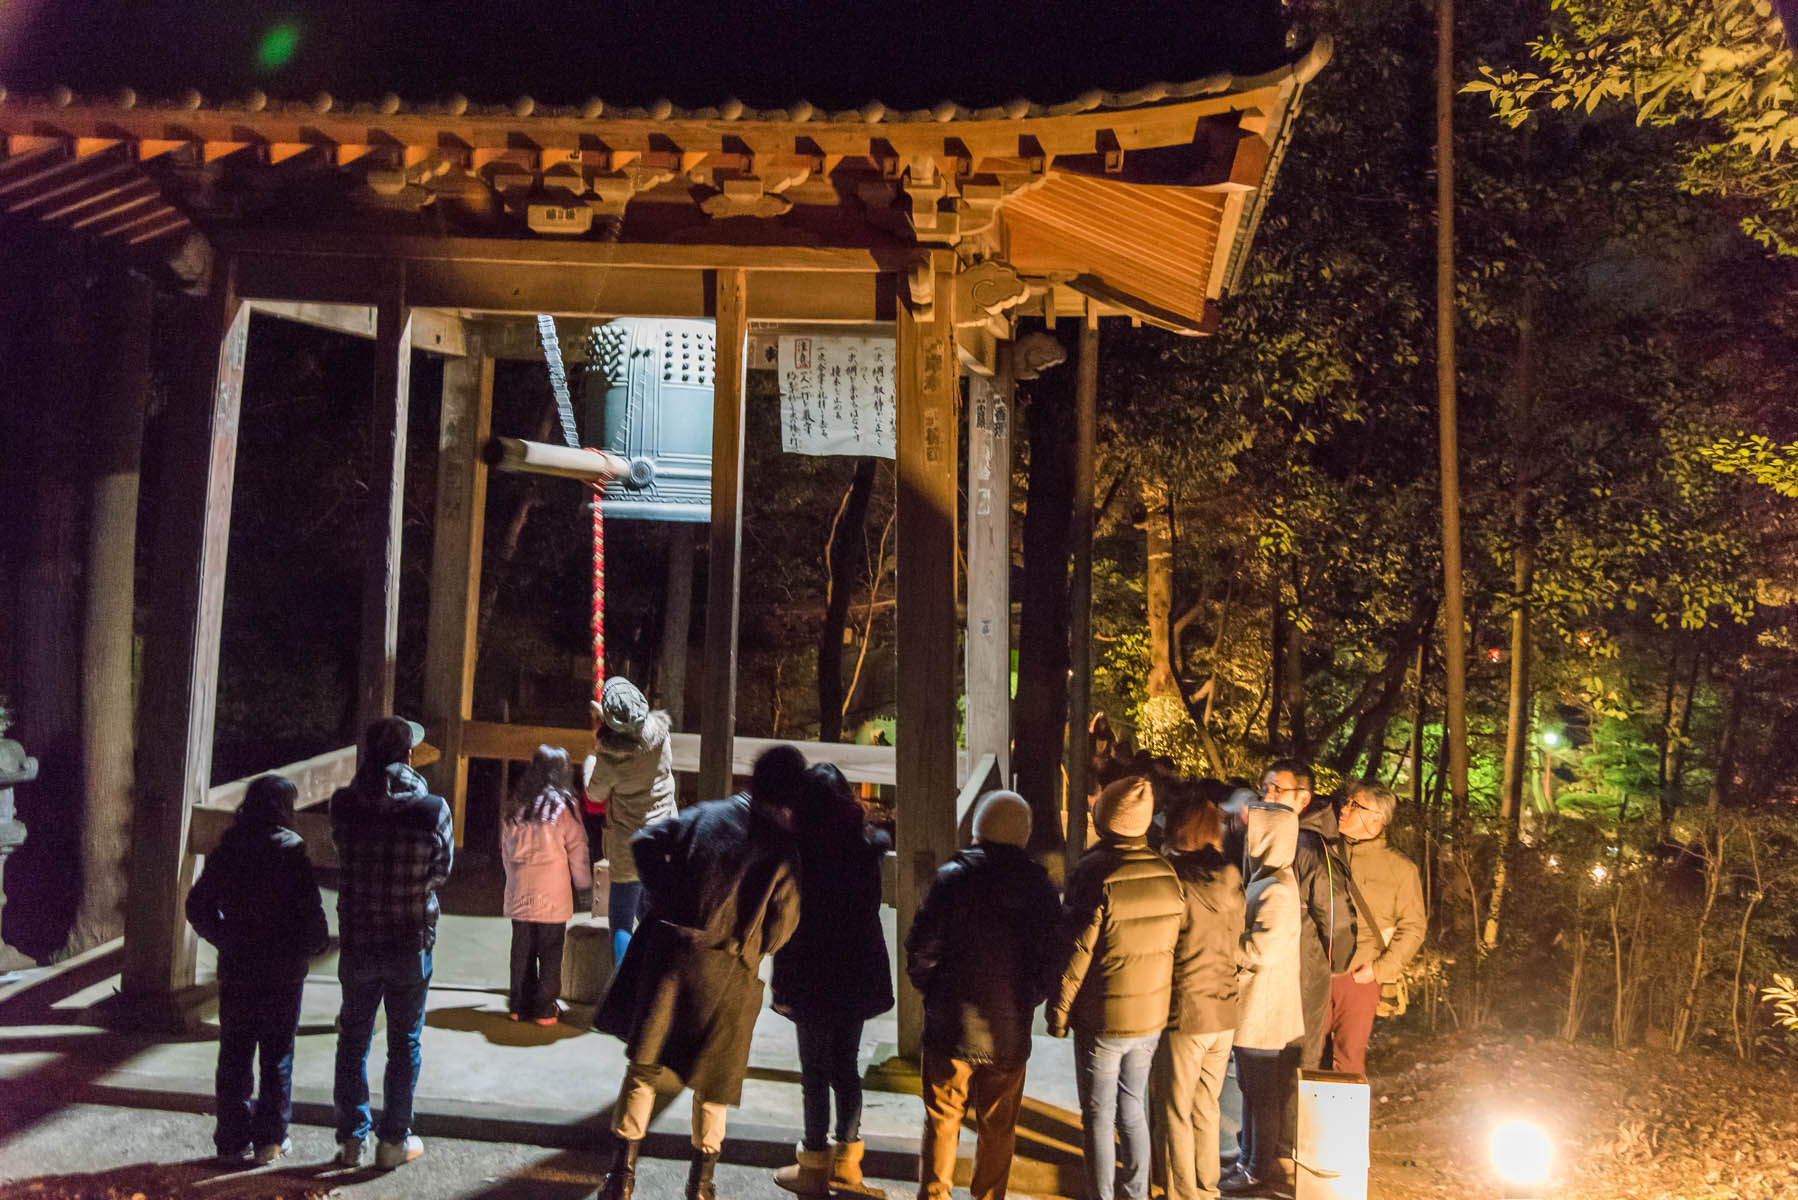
630,776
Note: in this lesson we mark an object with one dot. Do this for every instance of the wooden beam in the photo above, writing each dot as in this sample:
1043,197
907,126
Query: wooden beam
517,743
547,458
181,648
1080,586
677,616
567,290
988,639
456,544
724,572
387,487
313,826
437,332
928,389
316,778
545,252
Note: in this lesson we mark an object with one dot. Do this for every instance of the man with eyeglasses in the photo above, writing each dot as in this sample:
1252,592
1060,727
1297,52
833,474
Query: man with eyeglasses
1389,894
1327,940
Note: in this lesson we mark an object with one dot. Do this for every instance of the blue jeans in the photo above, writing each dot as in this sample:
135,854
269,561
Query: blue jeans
623,902
828,1054
1112,1075
399,982
257,1022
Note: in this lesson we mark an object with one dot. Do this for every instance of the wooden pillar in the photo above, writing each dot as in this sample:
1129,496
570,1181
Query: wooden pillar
928,388
181,648
108,733
1080,586
988,671
450,644
387,489
677,618
718,712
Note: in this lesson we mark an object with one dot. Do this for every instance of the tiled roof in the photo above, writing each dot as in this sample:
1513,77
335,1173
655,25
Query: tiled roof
798,112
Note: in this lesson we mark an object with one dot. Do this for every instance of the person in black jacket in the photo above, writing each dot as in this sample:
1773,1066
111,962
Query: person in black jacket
833,975
1191,1062
257,902
982,952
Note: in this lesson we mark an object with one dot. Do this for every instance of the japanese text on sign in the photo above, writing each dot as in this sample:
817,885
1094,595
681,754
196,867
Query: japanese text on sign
837,395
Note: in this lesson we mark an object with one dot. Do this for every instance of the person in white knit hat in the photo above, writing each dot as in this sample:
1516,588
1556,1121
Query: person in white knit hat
981,950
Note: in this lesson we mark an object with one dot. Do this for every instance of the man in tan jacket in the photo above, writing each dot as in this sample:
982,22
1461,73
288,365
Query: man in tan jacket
1389,893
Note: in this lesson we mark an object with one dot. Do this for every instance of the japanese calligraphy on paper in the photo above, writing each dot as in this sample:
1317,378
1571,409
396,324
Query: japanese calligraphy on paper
837,395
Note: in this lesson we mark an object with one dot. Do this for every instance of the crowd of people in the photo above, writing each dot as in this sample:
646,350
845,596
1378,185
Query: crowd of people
1210,937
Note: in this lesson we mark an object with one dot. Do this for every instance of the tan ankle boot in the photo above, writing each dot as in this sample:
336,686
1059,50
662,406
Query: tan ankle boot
810,1176
846,1164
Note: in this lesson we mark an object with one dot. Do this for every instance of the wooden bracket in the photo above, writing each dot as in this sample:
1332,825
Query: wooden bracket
986,290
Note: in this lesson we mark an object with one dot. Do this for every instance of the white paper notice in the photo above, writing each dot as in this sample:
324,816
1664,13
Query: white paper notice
836,395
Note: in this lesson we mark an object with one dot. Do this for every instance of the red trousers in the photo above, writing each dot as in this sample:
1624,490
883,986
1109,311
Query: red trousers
1352,1008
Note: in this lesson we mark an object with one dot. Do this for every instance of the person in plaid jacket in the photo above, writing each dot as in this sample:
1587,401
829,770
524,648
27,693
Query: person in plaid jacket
395,844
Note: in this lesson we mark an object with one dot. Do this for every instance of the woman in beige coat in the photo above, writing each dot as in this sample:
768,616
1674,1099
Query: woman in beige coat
1270,1019
630,773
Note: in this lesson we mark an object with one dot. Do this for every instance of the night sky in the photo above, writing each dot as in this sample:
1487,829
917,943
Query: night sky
694,52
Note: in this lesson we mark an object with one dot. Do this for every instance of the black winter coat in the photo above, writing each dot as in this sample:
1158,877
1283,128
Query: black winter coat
721,889
1205,956
1121,919
1327,937
835,969
982,952
257,902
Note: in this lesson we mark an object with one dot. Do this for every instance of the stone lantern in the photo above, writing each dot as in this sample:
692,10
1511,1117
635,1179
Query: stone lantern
16,767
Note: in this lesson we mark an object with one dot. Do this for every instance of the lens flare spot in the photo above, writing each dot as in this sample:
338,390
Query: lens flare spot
1521,1153
277,47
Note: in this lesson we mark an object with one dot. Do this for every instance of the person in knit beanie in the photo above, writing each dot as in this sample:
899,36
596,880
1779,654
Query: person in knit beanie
981,951
1121,922
1002,819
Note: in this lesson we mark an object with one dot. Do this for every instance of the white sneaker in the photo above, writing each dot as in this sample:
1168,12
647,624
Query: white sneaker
270,1151
350,1151
389,1155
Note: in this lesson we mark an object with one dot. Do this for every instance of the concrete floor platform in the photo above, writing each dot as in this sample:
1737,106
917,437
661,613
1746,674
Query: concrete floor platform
486,1077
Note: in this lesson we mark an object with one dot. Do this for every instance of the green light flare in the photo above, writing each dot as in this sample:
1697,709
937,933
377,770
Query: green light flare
277,47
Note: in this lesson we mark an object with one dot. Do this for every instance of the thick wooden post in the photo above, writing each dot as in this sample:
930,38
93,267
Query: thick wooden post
718,714
989,564
926,450
181,649
108,734
387,489
677,618
1080,587
450,646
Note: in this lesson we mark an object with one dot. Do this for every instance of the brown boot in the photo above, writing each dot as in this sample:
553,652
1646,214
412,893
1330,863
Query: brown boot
810,1176
621,1179
846,1165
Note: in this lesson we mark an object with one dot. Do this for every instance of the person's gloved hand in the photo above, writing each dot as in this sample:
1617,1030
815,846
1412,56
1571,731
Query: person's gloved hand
1057,1028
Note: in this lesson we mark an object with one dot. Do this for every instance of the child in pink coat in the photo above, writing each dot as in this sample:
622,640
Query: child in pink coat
544,848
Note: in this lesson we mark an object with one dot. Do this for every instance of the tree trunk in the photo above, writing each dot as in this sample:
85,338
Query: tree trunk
1723,775
1275,686
108,713
1167,724
1041,707
1454,615
1292,677
1682,726
845,556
